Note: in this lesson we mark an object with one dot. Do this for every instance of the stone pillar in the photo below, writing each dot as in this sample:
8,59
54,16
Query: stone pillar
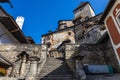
33,68
23,66
80,74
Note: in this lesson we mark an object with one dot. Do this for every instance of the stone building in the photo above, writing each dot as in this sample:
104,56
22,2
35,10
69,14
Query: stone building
66,28
10,34
83,12
83,41
91,45
54,39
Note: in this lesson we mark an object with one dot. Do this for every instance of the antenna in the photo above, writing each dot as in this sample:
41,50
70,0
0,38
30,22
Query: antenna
6,1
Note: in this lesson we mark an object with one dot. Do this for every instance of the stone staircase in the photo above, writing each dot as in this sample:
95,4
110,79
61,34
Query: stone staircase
55,69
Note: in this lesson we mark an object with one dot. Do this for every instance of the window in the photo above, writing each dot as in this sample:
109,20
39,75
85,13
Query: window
86,18
69,33
48,45
65,26
118,19
47,38
80,9
78,22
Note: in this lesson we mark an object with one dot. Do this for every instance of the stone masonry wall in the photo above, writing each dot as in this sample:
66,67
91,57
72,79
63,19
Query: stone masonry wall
97,54
69,52
11,51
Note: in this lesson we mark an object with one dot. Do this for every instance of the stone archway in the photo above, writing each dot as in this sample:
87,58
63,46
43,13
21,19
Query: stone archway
23,56
61,47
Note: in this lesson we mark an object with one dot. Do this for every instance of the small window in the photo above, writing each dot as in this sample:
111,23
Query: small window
47,38
86,18
65,26
80,9
69,33
78,22
48,45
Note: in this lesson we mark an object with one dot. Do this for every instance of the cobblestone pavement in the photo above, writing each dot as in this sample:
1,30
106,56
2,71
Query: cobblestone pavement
104,77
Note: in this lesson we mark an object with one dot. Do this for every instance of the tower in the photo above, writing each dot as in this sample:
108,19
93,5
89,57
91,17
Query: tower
83,12
20,21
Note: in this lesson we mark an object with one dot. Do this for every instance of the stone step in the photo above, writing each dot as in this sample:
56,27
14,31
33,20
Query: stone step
55,60
58,76
46,74
53,65
54,73
55,69
55,78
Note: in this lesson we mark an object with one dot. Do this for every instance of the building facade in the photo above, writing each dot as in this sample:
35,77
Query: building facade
54,39
111,19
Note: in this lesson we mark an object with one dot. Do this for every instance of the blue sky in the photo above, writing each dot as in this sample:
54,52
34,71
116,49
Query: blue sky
43,15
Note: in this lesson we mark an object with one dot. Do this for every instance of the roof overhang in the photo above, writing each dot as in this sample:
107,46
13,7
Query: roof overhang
13,28
107,10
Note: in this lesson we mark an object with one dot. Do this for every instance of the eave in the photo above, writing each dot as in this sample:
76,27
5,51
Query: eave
13,28
107,10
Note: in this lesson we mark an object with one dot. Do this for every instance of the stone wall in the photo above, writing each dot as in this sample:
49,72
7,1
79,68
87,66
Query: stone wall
55,54
102,53
84,12
69,52
63,24
82,30
97,54
54,40
11,52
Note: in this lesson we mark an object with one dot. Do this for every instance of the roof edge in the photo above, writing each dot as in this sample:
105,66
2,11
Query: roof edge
106,11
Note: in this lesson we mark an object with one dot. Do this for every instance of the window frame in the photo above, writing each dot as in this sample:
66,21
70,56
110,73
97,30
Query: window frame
118,18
